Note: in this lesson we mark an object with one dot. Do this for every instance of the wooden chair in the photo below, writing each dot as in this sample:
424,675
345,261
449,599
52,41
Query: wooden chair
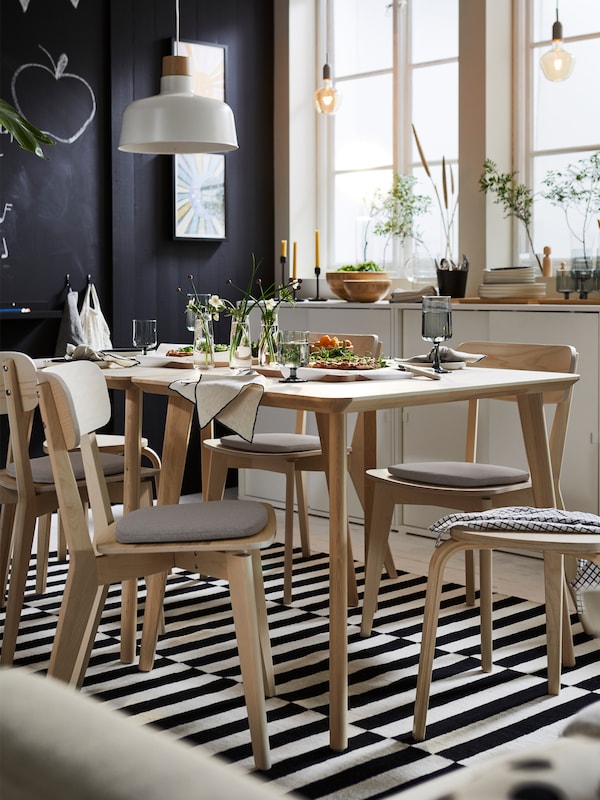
469,485
222,539
28,492
290,454
554,546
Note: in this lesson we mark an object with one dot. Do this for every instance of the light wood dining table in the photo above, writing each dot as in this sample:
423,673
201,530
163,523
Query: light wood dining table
332,402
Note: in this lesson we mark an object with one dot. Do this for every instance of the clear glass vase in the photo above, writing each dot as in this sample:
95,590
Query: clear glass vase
267,342
204,342
240,344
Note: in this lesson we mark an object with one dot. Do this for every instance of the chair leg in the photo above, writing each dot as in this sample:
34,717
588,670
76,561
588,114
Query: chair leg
352,584
153,616
381,519
61,544
128,620
302,513
469,577
244,603
43,550
23,530
553,589
568,651
485,607
7,519
288,536
263,625
82,605
433,595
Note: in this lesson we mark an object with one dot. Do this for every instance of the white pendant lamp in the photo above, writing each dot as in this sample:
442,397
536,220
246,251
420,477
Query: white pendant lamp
327,98
557,64
177,120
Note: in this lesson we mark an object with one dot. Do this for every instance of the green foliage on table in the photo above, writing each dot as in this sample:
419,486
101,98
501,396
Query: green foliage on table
26,134
515,198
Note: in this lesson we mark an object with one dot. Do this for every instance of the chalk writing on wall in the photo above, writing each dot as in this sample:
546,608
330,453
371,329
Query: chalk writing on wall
25,4
25,83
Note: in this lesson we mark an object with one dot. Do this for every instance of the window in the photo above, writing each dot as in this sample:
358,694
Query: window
563,125
393,68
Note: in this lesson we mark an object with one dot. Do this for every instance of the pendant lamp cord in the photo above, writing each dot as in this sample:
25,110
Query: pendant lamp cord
556,9
177,27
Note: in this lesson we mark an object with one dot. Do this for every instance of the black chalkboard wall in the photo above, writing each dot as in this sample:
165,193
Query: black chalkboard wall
90,209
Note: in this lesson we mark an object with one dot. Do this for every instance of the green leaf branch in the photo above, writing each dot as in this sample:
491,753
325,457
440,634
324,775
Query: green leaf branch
577,191
25,134
515,198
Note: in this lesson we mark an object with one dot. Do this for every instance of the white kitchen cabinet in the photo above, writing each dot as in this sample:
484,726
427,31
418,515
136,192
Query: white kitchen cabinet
437,432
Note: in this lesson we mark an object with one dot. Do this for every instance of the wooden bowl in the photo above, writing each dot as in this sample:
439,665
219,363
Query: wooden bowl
336,280
367,291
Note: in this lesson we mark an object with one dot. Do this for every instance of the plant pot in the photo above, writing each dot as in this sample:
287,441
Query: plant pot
452,282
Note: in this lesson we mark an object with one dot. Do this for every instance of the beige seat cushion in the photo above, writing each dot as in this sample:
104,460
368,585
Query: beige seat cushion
41,468
458,473
274,443
192,522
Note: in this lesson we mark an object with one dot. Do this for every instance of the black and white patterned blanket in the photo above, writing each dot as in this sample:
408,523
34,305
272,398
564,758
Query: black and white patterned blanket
540,520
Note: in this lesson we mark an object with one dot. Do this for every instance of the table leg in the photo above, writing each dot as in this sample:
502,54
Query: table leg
131,501
338,589
535,436
178,424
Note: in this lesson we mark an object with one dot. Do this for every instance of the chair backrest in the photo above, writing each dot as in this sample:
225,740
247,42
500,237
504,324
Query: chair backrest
534,357
74,402
84,398
364,343
19,400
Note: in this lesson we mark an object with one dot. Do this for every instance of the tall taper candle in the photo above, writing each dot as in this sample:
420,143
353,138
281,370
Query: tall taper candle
283,248
317,248
294,271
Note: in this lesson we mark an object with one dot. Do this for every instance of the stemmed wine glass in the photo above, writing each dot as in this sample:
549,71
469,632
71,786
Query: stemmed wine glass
293,351
436,325
144,334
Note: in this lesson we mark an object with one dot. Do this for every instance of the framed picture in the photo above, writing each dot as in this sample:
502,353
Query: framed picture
199,178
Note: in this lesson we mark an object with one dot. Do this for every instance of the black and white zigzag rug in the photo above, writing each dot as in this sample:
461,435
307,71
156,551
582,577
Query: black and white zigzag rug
194,690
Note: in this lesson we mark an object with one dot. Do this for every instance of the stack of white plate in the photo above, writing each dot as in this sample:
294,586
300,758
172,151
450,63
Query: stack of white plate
511,282
509,275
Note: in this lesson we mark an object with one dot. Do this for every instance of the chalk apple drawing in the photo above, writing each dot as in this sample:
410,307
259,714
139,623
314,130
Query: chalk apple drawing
58,73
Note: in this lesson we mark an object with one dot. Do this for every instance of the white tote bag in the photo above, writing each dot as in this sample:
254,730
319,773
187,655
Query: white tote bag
95,327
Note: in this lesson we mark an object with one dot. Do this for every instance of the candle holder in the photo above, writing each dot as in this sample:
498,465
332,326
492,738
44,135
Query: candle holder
283,261
317,274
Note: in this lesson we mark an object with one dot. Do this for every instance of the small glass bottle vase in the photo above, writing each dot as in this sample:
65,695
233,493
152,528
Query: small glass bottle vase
204,342
267,343
240,344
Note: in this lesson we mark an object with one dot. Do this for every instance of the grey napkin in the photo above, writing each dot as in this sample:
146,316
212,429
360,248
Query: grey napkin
447,354
70,331
104,360
233,400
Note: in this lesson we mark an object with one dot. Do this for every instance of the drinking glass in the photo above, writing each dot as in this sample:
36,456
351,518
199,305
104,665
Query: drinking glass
436,325
144,334
293,351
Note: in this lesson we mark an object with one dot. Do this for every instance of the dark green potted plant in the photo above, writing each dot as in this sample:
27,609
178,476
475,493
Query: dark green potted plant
27,135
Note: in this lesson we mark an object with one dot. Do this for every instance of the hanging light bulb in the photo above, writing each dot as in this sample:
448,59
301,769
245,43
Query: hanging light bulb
327,98
557,64
177,120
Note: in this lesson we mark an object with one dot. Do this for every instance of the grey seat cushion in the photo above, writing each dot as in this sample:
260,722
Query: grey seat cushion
460,474
193,522
41,468
274,443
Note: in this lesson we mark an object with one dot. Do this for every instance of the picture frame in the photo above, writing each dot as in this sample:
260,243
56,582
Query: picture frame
199,178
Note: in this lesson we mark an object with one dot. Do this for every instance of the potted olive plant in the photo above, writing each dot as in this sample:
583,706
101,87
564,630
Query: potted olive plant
394,214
